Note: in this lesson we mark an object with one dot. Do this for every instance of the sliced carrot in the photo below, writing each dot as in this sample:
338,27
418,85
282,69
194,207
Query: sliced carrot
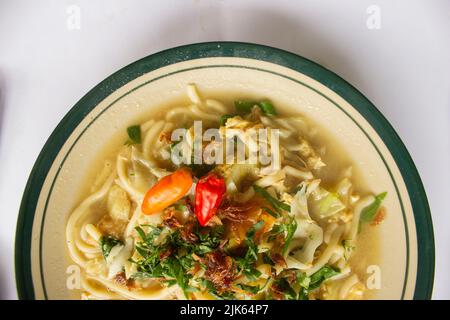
269,221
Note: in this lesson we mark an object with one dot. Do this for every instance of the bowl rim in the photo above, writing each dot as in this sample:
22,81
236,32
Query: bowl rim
421,211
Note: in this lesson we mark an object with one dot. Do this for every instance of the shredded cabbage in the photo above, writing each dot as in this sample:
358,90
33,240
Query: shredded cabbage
324,204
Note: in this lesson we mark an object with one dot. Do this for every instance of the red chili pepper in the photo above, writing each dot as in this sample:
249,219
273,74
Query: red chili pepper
209,193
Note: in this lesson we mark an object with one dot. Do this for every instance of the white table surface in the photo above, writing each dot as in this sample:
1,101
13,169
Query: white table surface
403,68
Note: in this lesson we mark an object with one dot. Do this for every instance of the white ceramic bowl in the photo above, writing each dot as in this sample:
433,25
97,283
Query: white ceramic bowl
407,247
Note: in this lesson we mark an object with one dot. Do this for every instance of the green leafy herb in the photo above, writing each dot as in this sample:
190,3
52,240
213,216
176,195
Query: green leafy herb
223,119
369,212
295,284
271,212
151,236
303,280
291,227
275,203
275,231
251,289
244,106
321,275
252,273
107,243
252,250
172,257
282,285
303,294
134,135
267,108
212,290
246,264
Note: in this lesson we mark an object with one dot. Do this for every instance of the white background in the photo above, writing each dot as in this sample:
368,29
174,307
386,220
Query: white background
403,68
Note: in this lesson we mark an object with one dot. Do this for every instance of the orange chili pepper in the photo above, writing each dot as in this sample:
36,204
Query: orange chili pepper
167,191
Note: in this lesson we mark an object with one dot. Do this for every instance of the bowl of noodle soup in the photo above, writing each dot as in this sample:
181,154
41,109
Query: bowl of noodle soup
224,171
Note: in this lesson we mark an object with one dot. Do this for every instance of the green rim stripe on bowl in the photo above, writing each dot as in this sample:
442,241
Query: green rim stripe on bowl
422,216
